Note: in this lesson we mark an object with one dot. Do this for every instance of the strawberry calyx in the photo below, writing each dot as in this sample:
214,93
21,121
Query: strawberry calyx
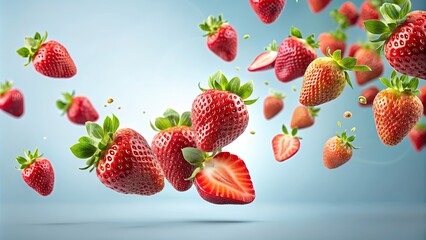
402,84
92,147
31,46
197,158
170,119
65,105
276,94
310,40
5,87
272,47
29,158
293,132
340,18
314,111
347,140
212,24
339,35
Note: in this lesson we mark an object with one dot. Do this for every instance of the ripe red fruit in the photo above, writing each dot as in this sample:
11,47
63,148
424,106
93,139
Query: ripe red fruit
11,99
346,16
49,58
174,134
79,109
303,117
318,5
333,40
273,104
371,58
417,136
422,98
353,49
219,115
267,10
222,38
123,159
285,145
368,11
338,150
369,94
37,172
265,60
294,56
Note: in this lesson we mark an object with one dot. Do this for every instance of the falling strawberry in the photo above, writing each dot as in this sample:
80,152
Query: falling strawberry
285,145
369,94
353,49
346,16
11,99
221,178
404,38
303,117
273,104
338,150
326,78
369,57
222,38
79,109
368,11
417,136
37,172
267,10
422,98
175,133
219,115
265,60
123,159
294,56
397,109
318,5
333,40
49,58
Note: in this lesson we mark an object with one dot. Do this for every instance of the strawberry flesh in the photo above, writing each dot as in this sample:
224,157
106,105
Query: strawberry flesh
263,61
285,146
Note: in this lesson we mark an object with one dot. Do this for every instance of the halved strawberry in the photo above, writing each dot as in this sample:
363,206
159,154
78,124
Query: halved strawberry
265,60
285,145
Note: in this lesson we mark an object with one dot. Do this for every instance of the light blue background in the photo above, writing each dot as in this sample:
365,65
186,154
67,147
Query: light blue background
150,55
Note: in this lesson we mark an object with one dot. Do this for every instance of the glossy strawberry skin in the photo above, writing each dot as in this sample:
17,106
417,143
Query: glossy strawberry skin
326,40
369,94
81,110
367,12
318,5
336,154
272,106
53,60
353,49
224,42
371,59
40,176
267,10
422,98
129,165
167,145
417,138
349,10
301,118
12,102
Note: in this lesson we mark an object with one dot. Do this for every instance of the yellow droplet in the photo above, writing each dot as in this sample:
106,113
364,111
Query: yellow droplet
266,83
353,129
110,100
294,89
339,124
252,132
237,68
246,36
347,114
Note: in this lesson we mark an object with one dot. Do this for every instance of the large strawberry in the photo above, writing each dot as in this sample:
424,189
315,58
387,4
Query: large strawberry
326,77
417,136
49,58
404,38
422,97
397,109
333,40
368,11
318,5
370,57
219,115
11,99
37,172
285,145
368,95
273,104
174,134
303,117
123,159
222,39
338,150
221,178
265,60
267,10
79,109
294,56
346,16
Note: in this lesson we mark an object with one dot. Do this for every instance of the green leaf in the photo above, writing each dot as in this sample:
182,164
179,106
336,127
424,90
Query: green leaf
234,85
348,79
194,174
376,27
61,105
86,139
37,36
414,83
246,90
21,160
115,123
31,42
173,116
386,82
162,123
94,130
185,119
348,62
337,55
284,129
294,132
250,102
23,52
394,74
223,82
83,150
107,124
295,32
193,156
389,11
351,138
381,38
361,68
405,9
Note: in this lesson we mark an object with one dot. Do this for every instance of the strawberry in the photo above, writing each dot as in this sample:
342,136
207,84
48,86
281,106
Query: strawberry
303,117
422,98
369,57
221,178
294,56
267,10
222,38
318,5
79,110
353,49
49,58
333,40
37,172
346,16
325,78
368,11
11,99
174,134
265,60
123,159
338,150
285,145
397,109
273,104
219,115
417,136
404,38
369,94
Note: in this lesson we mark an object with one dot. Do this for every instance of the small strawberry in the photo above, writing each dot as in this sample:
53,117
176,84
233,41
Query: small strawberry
219,115
404,38
222,38
368,11
285,145
79,109
422,98
273,104
417,136
333,40
353,49
37,172
369,57
318,5
294,56
346,16
265,60
221,178
49,58
369,94
267,10
123,159
397,109
11,99
175,133
303,117
338,150
326,78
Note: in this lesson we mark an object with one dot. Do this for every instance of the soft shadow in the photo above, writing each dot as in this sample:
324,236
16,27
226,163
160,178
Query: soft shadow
181,223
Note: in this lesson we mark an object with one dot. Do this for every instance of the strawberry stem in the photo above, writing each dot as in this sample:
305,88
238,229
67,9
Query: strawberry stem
211,25
29,158
170,119
402,84
65,105
31,46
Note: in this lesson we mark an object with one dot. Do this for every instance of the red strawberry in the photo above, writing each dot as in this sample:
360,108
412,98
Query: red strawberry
318,5
267,10
368,11
79,110
371,58
49,58
285,145
219,115
37,172
294,56
175,133
417,136
353,49
123,159
222,178
273,104
422,98
303,117
333,40
11,100
397,109
265,60
369,94
325,78
338,150
346,16
222,38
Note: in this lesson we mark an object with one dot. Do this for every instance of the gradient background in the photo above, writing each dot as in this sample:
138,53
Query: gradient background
150,55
